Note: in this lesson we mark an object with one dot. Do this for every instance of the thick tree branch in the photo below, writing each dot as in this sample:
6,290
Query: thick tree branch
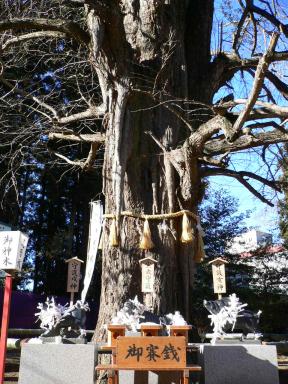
88,138
216,147
65,26
269,108
92,112
257,85
88,164
226,64
32,35
208,129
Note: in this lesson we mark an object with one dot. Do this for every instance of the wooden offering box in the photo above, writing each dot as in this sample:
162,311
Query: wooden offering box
115,331
150,330
179,330
151,353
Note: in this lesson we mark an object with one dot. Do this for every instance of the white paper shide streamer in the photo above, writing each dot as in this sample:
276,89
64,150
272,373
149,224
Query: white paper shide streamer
95,228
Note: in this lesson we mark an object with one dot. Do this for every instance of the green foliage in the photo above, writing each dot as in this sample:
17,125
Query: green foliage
283,204
221,222
258,280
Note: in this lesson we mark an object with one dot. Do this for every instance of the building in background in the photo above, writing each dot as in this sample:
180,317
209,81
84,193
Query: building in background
249,241
269,261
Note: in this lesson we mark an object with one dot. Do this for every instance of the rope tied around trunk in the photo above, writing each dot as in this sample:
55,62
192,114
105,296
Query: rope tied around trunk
190,234
160,216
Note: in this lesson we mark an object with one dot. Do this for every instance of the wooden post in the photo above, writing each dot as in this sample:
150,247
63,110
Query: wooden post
219,276
71,299
150,330
114,331
179,330
4,324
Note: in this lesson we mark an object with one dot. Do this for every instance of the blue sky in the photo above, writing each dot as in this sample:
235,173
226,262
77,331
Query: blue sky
227,12
262,217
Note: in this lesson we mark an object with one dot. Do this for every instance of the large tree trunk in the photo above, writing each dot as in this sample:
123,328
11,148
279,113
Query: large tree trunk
144,55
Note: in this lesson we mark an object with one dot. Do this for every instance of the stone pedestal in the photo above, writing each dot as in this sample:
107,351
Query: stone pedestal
239,364
57,364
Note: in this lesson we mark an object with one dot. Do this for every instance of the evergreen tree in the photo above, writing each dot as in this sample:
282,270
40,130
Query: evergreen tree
283,204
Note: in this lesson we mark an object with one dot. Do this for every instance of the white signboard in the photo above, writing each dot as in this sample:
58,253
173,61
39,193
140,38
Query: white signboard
95,228
219,279
12,250
147,277
74,275
4,227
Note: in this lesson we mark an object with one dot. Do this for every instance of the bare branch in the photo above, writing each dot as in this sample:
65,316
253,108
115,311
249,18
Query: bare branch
160,145
84,165
76,163
239,27
206,130
88,164
86,138
92,112
32,35
280,85
34,98
229,172
68,27
216,147
226,64
274,109
253,8
257,85
221,161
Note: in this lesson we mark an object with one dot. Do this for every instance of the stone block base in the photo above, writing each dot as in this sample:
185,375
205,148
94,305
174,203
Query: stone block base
57,364
239,364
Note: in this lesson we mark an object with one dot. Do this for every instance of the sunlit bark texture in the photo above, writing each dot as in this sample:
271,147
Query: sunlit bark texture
140,85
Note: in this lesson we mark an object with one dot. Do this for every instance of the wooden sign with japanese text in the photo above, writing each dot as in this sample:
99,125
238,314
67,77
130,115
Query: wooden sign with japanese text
219,278
74,275
151,352
147,269
147,277
12,250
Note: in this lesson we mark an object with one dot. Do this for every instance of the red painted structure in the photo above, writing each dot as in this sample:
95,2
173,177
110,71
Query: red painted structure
4,324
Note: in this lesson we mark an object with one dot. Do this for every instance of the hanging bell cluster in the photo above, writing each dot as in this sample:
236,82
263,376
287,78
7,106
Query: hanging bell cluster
189,234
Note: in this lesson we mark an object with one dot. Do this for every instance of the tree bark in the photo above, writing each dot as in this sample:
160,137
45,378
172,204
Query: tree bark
135,54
